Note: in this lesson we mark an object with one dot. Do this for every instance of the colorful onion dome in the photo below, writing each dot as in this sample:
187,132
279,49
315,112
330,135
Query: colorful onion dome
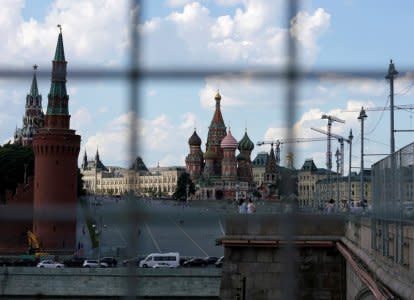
245,143
209,154
229,141
194,140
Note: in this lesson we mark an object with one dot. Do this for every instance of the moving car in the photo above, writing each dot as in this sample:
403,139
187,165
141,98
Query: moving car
171,258
219,262
74,262
110,261
195,262
210,260
50,264
93,263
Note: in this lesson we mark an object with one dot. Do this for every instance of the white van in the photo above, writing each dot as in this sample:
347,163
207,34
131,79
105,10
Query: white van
172,259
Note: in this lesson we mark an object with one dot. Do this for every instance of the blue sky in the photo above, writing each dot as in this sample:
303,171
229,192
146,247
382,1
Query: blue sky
213,33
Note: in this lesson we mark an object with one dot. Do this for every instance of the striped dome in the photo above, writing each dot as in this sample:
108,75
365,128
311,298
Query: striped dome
245,143
229,141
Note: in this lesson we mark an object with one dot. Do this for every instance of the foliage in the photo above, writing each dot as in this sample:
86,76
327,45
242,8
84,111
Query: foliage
181,190
12,166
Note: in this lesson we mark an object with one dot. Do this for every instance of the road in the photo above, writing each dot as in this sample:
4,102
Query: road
166,227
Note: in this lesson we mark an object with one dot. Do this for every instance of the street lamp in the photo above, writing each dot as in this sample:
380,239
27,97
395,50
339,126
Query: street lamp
338,161
98,232
362,116
237,193
350,138
186,192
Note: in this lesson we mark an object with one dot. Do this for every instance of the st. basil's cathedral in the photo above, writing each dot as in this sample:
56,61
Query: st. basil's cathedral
218,173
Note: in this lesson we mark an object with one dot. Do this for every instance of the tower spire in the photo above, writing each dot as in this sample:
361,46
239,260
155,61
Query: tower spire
34,91
58,97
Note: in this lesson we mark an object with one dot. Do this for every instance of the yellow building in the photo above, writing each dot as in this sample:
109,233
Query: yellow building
99,179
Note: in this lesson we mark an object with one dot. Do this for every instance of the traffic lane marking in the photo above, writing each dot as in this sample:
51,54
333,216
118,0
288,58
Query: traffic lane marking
189,237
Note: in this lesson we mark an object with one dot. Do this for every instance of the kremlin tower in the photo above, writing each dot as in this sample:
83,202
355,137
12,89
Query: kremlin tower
56,149
33,117
219,174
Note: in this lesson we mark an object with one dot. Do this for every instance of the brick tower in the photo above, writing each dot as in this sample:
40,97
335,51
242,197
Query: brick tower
56,149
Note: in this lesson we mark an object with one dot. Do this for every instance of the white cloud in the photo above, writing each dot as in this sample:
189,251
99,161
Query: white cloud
158,137
93,32
228,2
307,28
175,3
81,118
152,93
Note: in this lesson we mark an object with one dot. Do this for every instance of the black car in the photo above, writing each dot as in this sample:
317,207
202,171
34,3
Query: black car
110,261
74,262
5,262
24,262
133,261
195,262
210,260
219,262
183,259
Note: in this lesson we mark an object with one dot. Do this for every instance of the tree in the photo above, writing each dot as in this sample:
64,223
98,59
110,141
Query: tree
81,190
183,182
13,159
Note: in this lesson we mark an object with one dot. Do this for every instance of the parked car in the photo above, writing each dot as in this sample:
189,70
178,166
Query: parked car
110,261
219,262
210,260
50,264
195,262
93,263
74,261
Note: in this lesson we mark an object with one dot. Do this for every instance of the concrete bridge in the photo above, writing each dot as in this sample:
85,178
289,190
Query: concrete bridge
330,257
110,283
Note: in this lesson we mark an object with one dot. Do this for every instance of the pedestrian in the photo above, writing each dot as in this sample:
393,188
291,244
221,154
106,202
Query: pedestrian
243,206
330,207
251,208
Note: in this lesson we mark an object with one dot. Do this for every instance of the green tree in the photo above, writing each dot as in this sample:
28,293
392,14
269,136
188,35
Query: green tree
13,159
81,190
183,182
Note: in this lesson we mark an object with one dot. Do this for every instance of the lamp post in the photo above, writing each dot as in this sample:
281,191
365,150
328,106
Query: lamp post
237,193
186,192
338,161
98,231
350,138
362,117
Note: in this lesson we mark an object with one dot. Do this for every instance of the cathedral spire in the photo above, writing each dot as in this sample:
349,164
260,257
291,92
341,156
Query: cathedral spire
34,91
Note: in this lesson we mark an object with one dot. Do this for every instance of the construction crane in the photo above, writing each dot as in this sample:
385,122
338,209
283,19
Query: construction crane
279,142
340,139
381,108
